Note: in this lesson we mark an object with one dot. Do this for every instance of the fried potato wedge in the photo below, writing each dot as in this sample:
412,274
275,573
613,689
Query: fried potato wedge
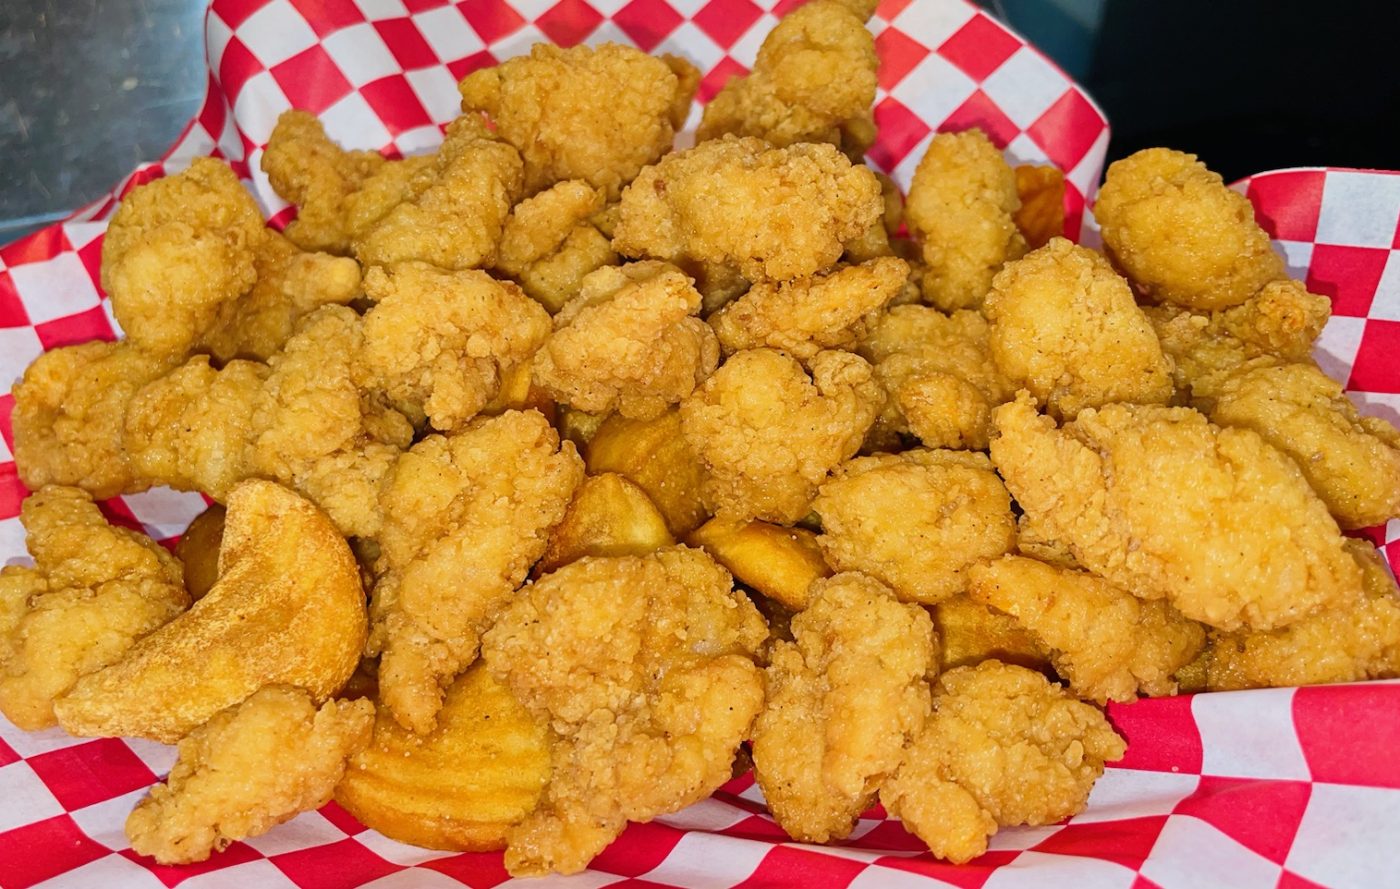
287,608
972,633
577,426
609,516
518,393
1042,214
198,550
462,785
653,454
779,562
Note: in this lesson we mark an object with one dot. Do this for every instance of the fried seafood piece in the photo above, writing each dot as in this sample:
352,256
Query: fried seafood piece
916,520
93,590
843,700
960,210
1180,235
778,562
813,81
465,516
599,114
1164,504
629,341
1347,644
644,669
768,434
287,608
461,786
69,413
550,243
198,550
1351,461
805,316
1002,747
938,375
1041,190
970,633
248,769
653,454
777,213
1104,642
441,342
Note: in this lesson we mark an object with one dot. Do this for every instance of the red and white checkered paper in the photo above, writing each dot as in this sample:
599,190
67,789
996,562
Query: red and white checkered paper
1279,788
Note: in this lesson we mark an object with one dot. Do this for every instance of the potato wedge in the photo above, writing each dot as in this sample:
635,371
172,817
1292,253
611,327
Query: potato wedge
1042,213
518,393
779,562
609,516
287,608
198,550
653,454
971,633
459,787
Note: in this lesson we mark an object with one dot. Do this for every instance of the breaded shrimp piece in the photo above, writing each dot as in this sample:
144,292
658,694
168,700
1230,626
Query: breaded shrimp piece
465,517
1347,644
1002,747
1166,505
643,668
1351,461
938,375
550,243
598,114
842,702
803,317
69,412
1106,643
93,591
629,341
776,213
1065,327
768,434
1180,235
440,342
813,81
916,521
248,769
959,210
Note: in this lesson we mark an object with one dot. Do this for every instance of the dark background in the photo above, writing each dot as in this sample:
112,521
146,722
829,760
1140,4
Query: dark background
91,88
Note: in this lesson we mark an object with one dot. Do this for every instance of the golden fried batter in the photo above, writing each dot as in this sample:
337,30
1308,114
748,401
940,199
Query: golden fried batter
768,434
1002,747
1065,327
550,243
1164,504
643,668
93,591
843,701
1180,235
916,521
246,770
629,341
776,213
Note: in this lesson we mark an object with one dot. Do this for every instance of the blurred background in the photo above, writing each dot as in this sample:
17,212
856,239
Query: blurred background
91,88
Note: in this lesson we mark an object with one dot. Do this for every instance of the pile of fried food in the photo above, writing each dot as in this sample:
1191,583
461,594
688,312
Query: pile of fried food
644,454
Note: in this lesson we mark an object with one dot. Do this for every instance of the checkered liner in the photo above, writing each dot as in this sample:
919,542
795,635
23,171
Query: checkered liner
1277,788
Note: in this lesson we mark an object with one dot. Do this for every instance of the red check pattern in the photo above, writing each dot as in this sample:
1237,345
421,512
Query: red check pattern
1284,788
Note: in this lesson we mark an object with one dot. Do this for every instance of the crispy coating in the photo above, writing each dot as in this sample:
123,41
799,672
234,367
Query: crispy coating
69,413
813,81
842,702
803,317
916,521
687,82
248,769
940,381
1164,504
598,114
1180,235
1107,644
768,434
465,516
93,590
1002,747
1065,327
440,342
550,243
776,213
1360,641
1351,461
959,210
970,633
629,342
643,667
